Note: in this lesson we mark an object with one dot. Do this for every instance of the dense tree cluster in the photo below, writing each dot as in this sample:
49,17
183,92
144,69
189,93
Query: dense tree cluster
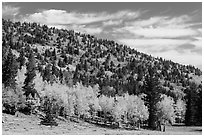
66,57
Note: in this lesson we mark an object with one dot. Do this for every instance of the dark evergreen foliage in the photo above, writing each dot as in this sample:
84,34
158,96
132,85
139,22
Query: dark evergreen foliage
194,105
30,75
153,90
9,70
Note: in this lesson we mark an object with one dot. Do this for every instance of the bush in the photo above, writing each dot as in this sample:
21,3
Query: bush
9,100
50,107
14,100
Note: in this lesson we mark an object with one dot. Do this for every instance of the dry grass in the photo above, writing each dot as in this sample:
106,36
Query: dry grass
29,125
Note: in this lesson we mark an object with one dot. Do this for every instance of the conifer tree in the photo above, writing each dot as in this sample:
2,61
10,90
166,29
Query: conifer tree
54,54
193,100
21,59
30,75
9,70
47,73
152,90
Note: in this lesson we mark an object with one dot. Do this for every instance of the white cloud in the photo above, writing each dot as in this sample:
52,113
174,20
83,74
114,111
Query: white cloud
162,32
153,45
8,10
79,21
112,22
92,30
86,29
162,27
54,16
146,22
161,21
80,28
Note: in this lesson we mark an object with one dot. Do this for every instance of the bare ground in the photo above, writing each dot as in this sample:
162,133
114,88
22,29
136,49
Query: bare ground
30,125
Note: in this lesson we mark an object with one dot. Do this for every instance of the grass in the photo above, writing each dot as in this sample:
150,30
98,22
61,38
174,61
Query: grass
30,125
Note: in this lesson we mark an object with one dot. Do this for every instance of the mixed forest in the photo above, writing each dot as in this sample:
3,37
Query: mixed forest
59,72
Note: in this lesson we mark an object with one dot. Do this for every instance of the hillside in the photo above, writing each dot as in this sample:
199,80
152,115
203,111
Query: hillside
97,60
57,59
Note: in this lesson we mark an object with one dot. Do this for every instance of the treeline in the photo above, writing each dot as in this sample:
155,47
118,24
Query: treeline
68,58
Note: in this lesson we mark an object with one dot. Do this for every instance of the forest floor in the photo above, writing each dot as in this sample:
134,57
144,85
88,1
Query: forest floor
30,125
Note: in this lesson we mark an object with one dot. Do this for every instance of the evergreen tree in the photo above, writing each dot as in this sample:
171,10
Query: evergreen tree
152,90
193,105
65,60
54,54
30,75
9,70
61,64
47,73
199,104
55,70
21,59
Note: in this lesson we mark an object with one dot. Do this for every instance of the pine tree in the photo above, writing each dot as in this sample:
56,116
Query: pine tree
152,90
30,75
21,59
47,73
9,70
193,100
61,64
5,50
65,60
199,104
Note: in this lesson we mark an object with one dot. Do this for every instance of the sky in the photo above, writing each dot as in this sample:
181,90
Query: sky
172,31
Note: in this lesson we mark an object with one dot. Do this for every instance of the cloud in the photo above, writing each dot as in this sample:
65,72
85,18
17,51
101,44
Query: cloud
54,16
197,42
161,27
178,21
86,29
80,21
162,32
92,30
80,28
186,46
153,45
112,23
8,10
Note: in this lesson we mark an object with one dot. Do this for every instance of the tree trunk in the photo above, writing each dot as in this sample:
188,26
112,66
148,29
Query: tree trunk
139,125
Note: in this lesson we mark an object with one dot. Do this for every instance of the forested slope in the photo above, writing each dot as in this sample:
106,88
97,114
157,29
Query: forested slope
36,58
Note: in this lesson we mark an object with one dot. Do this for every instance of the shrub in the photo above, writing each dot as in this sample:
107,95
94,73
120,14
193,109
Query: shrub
14,100
9,100
50,107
